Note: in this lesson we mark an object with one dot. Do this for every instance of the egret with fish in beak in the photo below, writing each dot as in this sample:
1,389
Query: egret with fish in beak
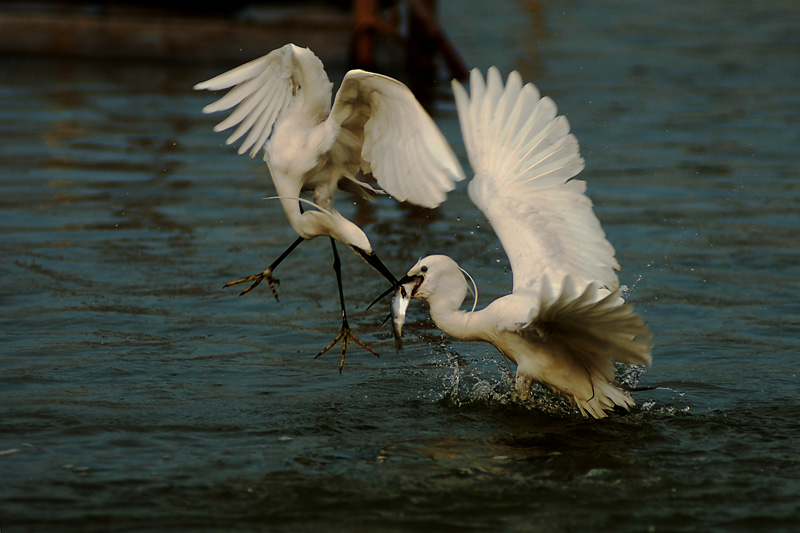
565,319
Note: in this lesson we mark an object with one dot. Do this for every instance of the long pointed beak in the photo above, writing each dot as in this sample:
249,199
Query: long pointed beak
402,281
372,260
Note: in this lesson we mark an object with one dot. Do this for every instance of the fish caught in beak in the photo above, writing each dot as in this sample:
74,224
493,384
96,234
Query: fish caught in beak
404,290
400,302
403,294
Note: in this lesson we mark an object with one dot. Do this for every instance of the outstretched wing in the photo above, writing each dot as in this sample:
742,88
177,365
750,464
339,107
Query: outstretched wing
264,88
524,159
586,329
398,141
592,323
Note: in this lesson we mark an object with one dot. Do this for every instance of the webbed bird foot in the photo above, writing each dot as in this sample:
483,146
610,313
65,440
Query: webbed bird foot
346,335
256,279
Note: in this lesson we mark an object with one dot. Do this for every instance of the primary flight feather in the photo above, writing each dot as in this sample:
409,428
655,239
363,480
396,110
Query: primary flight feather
565,320
375,132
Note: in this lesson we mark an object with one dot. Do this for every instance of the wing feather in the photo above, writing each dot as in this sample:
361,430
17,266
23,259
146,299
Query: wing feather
249,113
525,161
595,325
402,146
232,77
263,89
566,301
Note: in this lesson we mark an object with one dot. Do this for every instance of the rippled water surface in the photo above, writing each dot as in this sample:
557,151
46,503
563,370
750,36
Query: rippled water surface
136,394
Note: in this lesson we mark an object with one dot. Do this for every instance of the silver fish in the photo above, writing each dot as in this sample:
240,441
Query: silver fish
400,302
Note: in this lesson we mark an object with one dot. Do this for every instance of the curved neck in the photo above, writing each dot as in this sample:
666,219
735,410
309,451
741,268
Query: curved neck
453,322
288,193
449,318
313,223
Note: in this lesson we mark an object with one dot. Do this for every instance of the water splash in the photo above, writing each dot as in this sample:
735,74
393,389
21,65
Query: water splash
629,374
489,383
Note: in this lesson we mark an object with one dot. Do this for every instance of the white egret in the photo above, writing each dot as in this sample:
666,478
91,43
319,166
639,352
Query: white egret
375,129
565,320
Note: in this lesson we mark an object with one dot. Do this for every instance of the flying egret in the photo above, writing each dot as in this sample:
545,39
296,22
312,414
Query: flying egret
376,127
565,319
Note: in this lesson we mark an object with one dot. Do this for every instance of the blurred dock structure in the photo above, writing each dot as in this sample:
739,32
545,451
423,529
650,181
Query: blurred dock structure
384,36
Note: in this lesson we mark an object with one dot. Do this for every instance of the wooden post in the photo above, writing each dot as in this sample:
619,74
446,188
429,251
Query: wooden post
363,48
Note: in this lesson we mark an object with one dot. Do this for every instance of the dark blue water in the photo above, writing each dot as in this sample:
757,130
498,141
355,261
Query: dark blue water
136,394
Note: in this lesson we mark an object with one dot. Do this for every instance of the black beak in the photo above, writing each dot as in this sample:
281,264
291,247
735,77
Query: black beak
402,281
372,260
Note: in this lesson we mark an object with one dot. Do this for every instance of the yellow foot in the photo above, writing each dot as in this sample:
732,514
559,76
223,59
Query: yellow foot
346,336
256,279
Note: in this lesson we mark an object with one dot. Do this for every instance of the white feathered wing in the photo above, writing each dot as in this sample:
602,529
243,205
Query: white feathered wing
565,302
524,159
376,125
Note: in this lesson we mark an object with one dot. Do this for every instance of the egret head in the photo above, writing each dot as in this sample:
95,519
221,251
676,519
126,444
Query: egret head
436,279
348,233
436,276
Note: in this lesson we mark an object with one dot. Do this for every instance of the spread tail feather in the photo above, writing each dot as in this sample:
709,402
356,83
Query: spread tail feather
587,330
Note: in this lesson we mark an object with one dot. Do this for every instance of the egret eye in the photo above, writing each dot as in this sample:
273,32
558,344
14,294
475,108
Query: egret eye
423,269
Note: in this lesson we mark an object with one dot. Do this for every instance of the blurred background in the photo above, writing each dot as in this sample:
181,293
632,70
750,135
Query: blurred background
379,35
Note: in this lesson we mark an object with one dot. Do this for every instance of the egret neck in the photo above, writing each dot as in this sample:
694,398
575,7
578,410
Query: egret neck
445,301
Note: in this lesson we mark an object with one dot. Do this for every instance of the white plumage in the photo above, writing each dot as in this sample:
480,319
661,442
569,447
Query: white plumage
375,125
565,320
375,129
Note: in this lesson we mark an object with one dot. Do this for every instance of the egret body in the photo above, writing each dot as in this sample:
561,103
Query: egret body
565,320
374,138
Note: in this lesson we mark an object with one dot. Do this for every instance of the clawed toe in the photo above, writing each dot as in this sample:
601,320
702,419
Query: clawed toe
346,335
256,279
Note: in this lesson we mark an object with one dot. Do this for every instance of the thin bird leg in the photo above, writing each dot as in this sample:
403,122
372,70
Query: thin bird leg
267,273
345,335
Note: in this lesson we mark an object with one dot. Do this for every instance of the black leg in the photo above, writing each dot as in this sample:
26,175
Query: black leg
337,268
267,273
345,335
